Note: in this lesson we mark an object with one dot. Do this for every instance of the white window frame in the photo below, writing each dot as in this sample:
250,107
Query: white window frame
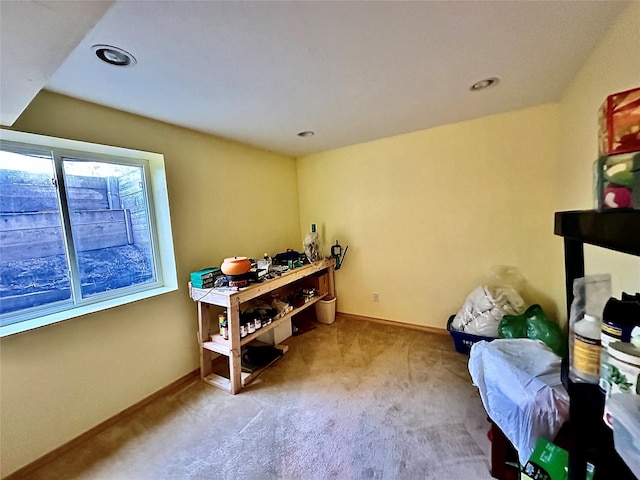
160,219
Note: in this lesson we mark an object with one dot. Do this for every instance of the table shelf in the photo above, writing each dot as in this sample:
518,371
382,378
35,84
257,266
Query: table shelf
215,346
219,345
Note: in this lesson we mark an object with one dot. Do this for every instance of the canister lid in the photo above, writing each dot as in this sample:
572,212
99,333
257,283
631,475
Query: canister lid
625,352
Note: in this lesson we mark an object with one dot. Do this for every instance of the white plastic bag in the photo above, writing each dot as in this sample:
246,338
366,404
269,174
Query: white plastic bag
520,387
311,245
485,306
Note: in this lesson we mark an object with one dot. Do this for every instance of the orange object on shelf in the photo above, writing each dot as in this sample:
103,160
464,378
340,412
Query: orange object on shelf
235,266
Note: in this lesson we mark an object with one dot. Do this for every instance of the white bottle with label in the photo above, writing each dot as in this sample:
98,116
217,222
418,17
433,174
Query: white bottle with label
585,359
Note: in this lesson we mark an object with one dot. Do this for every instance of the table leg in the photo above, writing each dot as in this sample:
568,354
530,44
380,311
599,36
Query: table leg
203,333
235,366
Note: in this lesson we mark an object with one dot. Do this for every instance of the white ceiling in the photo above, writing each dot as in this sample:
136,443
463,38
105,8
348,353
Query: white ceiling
35,38
260,71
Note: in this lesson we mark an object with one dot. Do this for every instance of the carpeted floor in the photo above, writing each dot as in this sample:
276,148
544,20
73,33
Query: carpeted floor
352,400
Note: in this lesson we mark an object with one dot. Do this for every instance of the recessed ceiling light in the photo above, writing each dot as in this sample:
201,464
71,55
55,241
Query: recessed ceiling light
114,55
306,133
484,84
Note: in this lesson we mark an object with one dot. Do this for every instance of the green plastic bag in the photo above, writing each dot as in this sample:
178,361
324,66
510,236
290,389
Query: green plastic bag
534,324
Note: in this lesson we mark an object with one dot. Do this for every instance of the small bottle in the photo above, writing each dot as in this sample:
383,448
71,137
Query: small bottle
585,363
222,317
243,329
258,323
224,330
251,327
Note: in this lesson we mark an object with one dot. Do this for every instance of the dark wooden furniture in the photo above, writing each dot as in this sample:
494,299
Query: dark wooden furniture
590,439
504,457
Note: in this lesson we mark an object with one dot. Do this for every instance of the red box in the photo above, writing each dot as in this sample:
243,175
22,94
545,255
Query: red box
619,122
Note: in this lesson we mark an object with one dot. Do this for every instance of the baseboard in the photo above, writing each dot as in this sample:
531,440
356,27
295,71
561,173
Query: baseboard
412,326
53,454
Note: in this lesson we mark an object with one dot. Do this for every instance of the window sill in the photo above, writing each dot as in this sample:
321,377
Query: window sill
82,310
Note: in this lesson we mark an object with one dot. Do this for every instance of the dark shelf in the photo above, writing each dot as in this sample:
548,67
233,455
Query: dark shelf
615,229
591,439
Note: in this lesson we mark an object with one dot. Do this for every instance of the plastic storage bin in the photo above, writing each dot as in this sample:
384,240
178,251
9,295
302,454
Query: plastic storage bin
625,410
463,341
326,310
617,181
277,334
618,121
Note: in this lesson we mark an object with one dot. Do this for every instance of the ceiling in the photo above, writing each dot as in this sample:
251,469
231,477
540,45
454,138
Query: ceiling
259,72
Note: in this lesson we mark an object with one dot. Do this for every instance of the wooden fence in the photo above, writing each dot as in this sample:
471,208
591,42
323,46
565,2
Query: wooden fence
105,212
30,235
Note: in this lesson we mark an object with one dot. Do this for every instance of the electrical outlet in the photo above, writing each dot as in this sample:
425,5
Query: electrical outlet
376,297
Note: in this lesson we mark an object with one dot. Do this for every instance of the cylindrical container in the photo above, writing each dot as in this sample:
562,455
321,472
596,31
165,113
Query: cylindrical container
222,317
620,373
224,330
235,266
619,318
243,329
615,332
585,361
326,310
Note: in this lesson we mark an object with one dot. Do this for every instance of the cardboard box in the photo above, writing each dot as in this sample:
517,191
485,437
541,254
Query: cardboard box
619,123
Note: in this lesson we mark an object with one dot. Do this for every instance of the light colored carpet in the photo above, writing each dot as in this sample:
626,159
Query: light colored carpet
352,400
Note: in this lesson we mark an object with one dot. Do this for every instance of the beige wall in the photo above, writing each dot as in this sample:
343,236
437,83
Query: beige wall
61,380
613,67
427,214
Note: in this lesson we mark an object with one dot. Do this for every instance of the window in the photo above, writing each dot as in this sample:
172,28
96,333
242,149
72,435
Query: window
83,227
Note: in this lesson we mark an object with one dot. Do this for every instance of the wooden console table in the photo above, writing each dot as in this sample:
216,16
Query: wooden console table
320,275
